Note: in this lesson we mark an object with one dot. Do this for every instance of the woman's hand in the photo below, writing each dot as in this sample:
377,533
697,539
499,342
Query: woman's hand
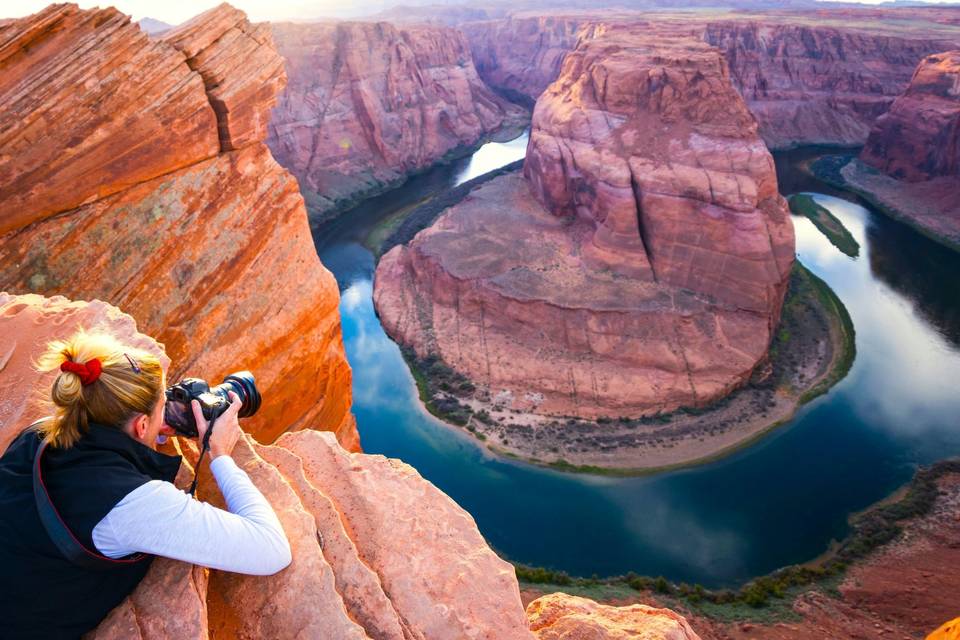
226,428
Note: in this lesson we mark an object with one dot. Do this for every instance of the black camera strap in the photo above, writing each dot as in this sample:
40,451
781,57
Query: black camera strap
203,452
71,548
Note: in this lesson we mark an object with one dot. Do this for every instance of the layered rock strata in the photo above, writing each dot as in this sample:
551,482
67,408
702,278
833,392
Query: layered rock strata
910,166
521,56
639,267
133,170
805,83
378,552
368,103
817,84
919,137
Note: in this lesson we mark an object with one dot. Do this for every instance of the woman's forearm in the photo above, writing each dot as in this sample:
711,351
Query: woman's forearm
159,519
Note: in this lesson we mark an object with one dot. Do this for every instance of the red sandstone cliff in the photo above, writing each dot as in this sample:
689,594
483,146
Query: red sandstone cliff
910,165
919,137
368,103
641,265
378,552
133,170
812,84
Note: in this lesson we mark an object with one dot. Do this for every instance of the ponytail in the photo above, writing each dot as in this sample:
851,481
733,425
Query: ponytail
103,381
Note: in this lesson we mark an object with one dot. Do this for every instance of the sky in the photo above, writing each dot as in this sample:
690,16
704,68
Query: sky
176,11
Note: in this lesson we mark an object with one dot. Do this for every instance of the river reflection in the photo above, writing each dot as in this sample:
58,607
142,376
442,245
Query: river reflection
776,503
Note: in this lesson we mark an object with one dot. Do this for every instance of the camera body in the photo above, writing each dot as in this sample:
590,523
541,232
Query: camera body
213,401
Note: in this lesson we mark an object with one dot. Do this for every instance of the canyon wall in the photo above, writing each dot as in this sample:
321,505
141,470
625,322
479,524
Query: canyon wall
639,267
133,170
366,104
521,56
805,83
919,137
378,552
910,166
816,84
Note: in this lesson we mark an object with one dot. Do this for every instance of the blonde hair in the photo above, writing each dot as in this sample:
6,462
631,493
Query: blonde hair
120,393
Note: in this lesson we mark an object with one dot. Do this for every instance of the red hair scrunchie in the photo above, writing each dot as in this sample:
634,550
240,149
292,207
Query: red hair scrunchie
88,372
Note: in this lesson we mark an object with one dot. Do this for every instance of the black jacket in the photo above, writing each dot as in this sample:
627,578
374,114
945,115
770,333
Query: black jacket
42,595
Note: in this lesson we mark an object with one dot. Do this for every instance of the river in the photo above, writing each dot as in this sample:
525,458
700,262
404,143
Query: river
778,502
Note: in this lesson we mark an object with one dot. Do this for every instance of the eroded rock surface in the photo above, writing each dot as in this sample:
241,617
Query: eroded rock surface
562,617
369,103
133,170
817,84
240,68
910,166
639,267
919,138
378,552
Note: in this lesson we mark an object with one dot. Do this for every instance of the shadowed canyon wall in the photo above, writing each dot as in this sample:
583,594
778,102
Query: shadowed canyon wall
366,104
639,267
133,170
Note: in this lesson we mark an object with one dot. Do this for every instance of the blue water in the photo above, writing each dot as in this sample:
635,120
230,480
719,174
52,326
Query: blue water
775,503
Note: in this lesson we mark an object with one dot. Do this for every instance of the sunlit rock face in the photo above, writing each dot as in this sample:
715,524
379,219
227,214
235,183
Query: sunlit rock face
133,171
919,138
817,84
559,616
640,265
378,552
368,103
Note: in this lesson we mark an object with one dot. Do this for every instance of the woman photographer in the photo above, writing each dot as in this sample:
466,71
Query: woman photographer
112,493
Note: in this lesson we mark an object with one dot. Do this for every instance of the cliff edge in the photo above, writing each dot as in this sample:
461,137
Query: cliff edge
133,170
378,552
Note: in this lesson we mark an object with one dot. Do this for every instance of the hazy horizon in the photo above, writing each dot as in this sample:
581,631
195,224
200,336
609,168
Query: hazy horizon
177,11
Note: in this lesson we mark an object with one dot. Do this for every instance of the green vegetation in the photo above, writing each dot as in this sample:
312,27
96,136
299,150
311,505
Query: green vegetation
804,205
848,343
432,375
827,168
768,598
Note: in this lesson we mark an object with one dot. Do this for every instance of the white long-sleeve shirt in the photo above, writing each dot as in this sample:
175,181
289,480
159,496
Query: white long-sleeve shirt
159,519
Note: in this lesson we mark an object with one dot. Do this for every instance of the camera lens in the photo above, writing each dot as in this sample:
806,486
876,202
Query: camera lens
244,385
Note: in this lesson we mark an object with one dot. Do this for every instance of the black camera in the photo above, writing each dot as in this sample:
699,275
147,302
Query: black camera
213,402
